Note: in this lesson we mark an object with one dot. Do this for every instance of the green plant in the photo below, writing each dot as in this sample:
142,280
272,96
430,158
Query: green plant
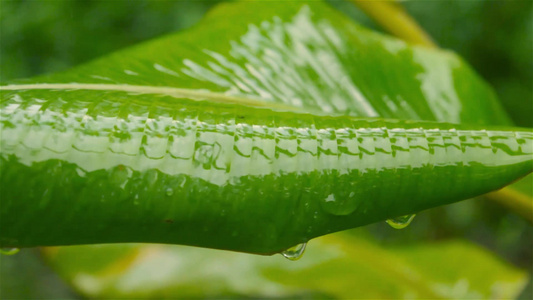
394,70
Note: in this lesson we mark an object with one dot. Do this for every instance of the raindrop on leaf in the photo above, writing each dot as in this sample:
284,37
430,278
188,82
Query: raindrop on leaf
339,205
169,192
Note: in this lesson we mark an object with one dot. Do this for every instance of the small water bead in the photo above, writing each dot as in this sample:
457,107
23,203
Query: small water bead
339,205
401,222
182,181
294,253
169,192
9,251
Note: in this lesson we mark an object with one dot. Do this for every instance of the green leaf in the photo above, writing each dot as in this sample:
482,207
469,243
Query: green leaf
246,135
305,56
336,266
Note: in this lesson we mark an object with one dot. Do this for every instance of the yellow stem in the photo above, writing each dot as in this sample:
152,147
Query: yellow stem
393,17
514,200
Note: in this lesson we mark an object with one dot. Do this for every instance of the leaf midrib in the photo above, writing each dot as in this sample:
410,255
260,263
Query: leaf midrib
197,95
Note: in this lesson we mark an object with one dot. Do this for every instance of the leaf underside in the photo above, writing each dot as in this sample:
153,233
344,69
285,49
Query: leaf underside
248,129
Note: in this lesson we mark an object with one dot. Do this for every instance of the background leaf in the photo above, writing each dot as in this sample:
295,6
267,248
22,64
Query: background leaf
337,266
323,63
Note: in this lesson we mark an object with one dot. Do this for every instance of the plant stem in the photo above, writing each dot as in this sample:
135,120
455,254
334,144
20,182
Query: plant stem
514,200
395,19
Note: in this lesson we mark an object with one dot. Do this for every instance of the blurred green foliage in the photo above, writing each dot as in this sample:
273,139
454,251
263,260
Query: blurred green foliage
338,266
26,276
496,37
48,36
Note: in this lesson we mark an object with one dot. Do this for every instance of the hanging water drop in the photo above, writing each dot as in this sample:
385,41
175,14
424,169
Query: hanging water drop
401,222
294,253
9,251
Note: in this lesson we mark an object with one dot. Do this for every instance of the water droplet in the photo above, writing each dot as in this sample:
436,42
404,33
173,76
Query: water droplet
339,205
169,192
9,251
294,253
81,172
330,198
401,222
182,182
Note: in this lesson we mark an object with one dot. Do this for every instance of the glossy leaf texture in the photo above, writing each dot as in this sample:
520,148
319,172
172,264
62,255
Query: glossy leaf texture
246,135
334,267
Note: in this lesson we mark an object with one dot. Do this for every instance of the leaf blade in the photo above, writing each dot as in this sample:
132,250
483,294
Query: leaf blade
120,148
